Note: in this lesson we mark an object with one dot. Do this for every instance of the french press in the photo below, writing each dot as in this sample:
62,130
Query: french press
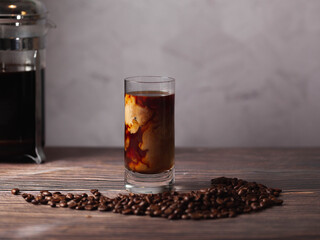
23,29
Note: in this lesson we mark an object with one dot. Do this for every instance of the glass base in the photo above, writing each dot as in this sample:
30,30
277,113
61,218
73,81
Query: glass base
149,183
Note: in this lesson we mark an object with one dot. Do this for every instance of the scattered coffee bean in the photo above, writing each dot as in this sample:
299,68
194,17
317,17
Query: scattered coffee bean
15,191
34,201
72,204
29,198
69,196
52,204
227,197
93,191
63,204
79,208
46,193
88,207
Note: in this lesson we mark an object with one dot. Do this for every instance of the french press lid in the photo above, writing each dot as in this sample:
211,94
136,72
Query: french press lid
23,24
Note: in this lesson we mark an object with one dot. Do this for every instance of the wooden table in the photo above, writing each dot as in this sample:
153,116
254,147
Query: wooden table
296,171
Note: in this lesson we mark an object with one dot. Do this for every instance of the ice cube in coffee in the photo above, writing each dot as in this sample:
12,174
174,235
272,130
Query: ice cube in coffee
149,131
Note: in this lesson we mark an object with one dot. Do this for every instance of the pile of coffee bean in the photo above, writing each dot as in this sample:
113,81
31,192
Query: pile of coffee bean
227,197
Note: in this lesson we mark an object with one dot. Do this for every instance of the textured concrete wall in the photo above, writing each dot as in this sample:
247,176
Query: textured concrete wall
248,72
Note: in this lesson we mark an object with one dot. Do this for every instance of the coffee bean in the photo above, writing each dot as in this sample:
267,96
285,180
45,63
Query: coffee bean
184,216
69,196
24,195
168,211
88,207
196,216
156,213
52,204
72,204
29,198
15,191
278,201
34,202
172,217
93,190
143,204
46,193
48,198
63,204
43,201
79,208
127,211
38,198
232,213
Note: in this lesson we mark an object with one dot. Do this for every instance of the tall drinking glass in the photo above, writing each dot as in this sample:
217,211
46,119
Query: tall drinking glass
149,134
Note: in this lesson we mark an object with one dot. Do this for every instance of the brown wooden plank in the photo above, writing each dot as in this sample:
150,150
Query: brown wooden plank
297,171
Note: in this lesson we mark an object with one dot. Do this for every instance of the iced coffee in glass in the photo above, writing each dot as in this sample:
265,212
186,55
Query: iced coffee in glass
149,134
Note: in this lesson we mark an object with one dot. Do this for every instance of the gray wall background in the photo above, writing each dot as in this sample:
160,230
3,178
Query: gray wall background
247,71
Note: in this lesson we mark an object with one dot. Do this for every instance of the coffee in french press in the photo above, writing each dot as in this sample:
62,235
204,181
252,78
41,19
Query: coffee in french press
23,29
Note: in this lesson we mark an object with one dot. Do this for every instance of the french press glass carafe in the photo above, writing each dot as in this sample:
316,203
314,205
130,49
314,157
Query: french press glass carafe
23,29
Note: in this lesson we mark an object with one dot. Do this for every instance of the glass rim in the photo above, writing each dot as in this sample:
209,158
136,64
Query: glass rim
139,79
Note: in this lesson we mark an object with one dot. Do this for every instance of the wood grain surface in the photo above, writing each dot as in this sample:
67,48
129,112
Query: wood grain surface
296,171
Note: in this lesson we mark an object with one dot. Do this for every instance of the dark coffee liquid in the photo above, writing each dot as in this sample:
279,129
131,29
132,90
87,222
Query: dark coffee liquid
149,131
17,113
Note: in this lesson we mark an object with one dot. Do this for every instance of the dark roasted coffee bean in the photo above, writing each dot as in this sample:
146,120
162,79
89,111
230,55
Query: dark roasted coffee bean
232,213
247,209
38,198
196,216
88,207
185,216
46,193
57,193
219,201
143,204
276,194
172,217
43,201
48,198
168,211
77,196
79,208
15,191
84,195
127,211
104,208
62,198
254,206
72,204
69,196
52,204
29,198
63,204
156,213
34,202
56,200
278,201
277,190
97,194
24,195
93,191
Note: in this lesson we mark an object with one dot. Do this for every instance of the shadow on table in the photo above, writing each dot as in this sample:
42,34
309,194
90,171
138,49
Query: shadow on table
68,154
81,153
21,160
